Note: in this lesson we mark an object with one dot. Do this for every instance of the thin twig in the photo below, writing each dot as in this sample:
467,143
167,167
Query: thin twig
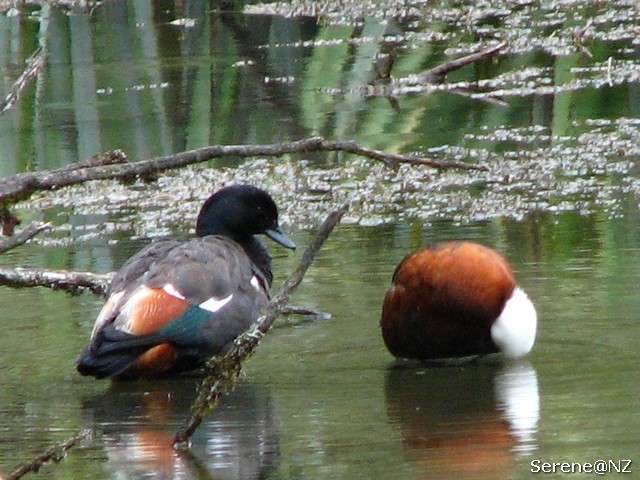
56,453
222,372
21,186
34,65
469,94
23,235
393,159
437,73
578,37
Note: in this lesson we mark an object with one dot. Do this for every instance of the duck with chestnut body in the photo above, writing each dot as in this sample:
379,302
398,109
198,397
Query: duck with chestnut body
456,299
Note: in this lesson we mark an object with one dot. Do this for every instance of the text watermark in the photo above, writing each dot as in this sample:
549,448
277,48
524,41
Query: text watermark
600,466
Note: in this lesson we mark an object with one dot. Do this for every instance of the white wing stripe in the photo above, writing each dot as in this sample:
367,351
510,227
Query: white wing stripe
171,290
106,311
213,304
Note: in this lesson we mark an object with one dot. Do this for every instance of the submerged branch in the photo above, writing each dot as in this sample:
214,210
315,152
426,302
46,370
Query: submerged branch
54,454
394,159
34,65
305,311
23,236
437,73
223,372
23,185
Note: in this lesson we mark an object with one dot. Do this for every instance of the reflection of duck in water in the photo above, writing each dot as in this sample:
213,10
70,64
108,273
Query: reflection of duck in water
239,440
465,421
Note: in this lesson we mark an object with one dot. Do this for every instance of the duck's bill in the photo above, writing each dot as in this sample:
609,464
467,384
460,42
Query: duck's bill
278,236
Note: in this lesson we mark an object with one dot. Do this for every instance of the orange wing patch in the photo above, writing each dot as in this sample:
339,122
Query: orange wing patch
148,310
155,361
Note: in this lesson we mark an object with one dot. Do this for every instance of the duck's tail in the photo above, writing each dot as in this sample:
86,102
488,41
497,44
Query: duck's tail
113,352
103,366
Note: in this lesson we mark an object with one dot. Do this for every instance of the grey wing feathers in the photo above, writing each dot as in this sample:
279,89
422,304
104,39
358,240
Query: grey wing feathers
202,268
132,271
213,268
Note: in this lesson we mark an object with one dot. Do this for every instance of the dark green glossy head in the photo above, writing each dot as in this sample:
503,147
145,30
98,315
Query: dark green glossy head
240,211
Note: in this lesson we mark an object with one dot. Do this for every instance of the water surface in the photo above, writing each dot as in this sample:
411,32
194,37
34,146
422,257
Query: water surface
324,399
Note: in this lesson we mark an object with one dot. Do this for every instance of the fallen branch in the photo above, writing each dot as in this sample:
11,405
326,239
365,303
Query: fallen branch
35,64
54,454
96,283
223,372
24,235
23,185
72,282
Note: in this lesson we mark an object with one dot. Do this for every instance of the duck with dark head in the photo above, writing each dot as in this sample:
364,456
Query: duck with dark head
175,304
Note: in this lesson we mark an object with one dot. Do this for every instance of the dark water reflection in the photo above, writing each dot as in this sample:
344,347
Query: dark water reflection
465,421
137,420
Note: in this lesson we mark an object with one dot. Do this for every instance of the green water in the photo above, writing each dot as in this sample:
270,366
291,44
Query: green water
324,399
